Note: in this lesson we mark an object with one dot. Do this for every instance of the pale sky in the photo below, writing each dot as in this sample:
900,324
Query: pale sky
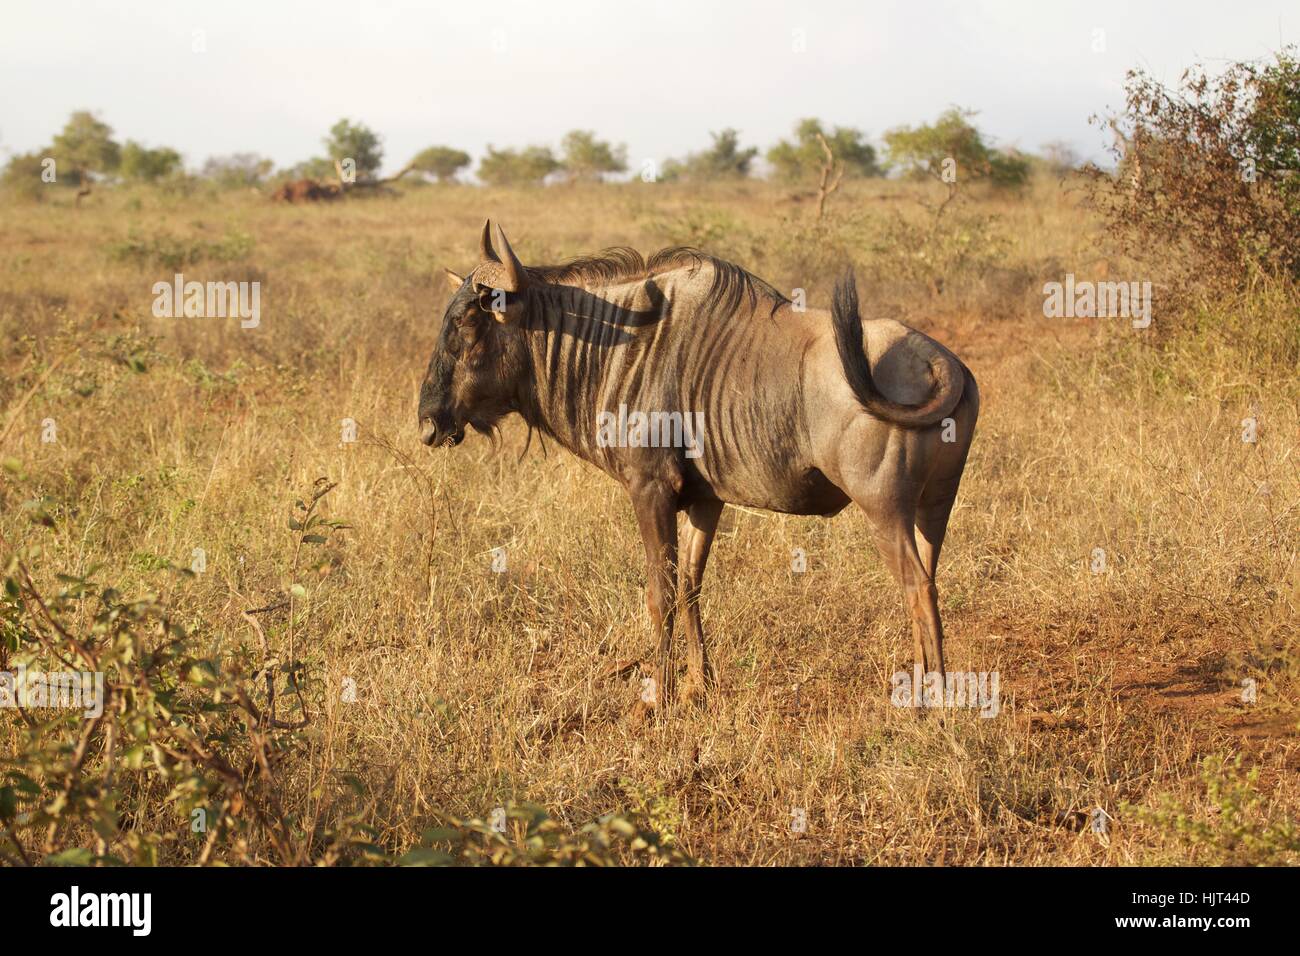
658,75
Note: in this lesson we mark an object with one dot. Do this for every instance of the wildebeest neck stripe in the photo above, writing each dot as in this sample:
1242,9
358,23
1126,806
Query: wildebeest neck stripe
619,328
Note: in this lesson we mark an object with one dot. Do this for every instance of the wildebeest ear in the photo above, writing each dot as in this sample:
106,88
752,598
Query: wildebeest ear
453,280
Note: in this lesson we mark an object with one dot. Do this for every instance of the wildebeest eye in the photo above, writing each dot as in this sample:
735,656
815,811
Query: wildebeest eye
469,331
473,315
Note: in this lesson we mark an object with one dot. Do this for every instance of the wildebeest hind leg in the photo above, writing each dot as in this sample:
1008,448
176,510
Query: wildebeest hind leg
892,530
932,521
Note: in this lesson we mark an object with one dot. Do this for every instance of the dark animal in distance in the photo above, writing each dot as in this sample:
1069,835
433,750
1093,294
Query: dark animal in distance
797,411
305,190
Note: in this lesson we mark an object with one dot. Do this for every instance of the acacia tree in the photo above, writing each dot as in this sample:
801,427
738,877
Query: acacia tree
952,148
85,146
441,162
803,158
509,167
587,158
359,143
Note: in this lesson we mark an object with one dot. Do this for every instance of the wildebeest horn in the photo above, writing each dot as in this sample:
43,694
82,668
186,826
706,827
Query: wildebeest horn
492,272
514,269
485,251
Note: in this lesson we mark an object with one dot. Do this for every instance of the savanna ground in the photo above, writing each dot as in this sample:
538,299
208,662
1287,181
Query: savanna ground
1121,687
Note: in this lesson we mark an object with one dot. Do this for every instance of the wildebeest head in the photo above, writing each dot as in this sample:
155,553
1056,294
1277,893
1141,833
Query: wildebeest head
478,367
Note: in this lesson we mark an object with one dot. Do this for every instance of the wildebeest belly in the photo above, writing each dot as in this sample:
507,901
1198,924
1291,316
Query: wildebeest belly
789,490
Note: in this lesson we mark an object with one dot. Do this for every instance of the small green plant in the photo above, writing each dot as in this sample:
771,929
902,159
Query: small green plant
526,835
309,528
653,811
1236,827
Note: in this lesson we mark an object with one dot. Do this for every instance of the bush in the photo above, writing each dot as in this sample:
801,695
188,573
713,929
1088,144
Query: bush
238,170
932,252
1207,187
22,176
526,835
723,160
1236,829
141,164
183,745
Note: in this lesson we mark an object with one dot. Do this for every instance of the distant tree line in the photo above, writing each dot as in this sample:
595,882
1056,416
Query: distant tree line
85,152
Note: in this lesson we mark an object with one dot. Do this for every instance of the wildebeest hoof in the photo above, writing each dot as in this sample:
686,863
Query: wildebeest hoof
693,694
641,714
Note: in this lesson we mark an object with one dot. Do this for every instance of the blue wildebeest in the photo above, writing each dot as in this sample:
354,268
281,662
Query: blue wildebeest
795,411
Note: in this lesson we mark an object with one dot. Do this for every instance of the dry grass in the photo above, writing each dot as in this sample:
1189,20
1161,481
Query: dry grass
476,688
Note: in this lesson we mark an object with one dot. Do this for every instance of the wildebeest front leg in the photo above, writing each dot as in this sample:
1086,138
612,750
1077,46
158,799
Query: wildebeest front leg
693,546
656,514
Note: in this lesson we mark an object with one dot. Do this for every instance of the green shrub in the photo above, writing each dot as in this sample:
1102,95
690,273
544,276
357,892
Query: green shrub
184,741
1236,827
530,837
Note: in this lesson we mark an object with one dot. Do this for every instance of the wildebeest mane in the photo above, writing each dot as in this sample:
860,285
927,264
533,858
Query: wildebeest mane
731,284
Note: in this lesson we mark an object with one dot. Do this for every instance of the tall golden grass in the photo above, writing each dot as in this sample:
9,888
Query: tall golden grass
1121,691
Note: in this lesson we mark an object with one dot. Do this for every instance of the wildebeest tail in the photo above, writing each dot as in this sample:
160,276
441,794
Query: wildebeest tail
947,374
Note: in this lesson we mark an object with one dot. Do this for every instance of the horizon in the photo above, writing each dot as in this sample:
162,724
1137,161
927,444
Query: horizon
188,78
